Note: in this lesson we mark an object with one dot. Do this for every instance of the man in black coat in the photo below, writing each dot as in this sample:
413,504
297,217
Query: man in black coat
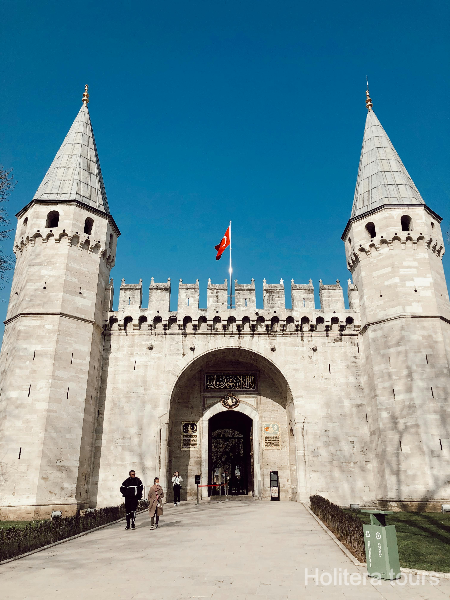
131,489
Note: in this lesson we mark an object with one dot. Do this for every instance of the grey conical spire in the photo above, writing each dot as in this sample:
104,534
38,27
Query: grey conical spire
75,172
382,177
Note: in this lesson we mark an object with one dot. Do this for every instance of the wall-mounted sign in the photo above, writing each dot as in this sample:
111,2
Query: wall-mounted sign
230,381
189,435
271,433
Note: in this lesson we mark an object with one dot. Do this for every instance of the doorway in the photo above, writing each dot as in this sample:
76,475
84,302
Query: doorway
230,454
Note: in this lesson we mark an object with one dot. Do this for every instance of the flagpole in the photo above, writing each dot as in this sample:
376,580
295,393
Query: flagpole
231,270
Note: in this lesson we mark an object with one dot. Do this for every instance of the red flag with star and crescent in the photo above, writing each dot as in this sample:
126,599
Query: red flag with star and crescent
223,244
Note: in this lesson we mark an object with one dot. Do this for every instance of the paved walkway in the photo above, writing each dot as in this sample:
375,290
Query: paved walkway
222,550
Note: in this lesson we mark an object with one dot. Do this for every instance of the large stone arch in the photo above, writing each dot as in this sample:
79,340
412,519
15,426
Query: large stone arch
271,402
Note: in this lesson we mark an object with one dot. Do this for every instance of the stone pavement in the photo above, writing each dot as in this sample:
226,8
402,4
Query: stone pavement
220,550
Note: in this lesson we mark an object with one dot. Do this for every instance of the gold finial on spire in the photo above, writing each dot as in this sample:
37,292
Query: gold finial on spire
368,98
86,95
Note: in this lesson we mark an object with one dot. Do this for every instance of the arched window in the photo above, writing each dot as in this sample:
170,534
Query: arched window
157,323
231,324
113,323
127,323
173,325
52,219
260,323
246,324
111,240
142,320
406,222
274,323
305,324
25,221
88,224
187,323
202,323
370,228
290,324
320,324
216,323
334,323
349,322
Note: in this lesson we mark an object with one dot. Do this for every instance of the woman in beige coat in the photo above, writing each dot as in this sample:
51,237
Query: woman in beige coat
155,508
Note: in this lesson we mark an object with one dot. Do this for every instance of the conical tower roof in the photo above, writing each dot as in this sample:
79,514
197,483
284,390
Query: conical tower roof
382,177
75,172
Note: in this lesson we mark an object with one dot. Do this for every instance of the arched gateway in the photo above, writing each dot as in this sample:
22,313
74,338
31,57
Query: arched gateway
230,421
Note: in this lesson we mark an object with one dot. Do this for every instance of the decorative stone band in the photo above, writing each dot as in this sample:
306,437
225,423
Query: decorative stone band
401,316
72,239
365,250
52,314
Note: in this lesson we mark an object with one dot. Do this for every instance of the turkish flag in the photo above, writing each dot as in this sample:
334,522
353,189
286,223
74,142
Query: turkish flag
223,244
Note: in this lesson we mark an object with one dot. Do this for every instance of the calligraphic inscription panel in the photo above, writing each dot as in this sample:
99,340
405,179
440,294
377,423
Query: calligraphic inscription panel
230,381
189,435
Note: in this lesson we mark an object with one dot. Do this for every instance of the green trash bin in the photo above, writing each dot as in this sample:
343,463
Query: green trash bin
381,546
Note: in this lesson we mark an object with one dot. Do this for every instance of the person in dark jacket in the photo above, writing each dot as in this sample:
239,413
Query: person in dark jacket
131,489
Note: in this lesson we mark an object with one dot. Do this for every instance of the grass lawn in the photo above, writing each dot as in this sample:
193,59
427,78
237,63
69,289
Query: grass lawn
423,539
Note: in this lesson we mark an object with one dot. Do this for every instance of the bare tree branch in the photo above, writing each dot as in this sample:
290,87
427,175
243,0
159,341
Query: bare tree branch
7,185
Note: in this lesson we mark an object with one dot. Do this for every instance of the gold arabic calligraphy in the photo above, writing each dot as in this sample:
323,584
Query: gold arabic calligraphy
229,381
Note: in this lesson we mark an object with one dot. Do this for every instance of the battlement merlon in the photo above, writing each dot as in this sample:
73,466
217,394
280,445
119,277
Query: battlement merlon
302,295
244,295
331,296
353,296
159,296
188,296
273,295
130,294
217,296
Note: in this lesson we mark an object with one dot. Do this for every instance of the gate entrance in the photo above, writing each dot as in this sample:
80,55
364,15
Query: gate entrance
230,453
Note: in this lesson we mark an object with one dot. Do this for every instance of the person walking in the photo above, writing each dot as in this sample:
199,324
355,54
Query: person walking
155,507
176,482
131,489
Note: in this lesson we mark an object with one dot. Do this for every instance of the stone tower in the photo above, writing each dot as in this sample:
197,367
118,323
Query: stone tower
394,249
50,362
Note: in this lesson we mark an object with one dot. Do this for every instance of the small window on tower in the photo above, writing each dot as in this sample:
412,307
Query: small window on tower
406,222
370,228
52,219
88,224
25,221
111,240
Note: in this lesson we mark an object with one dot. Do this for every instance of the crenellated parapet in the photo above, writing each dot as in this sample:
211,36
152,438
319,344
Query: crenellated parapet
243,318
403,239
81,241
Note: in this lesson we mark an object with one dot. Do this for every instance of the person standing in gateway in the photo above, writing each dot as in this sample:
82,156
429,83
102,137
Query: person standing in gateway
131,489
176,482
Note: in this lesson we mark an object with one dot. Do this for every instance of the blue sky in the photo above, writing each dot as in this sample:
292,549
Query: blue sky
206,112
